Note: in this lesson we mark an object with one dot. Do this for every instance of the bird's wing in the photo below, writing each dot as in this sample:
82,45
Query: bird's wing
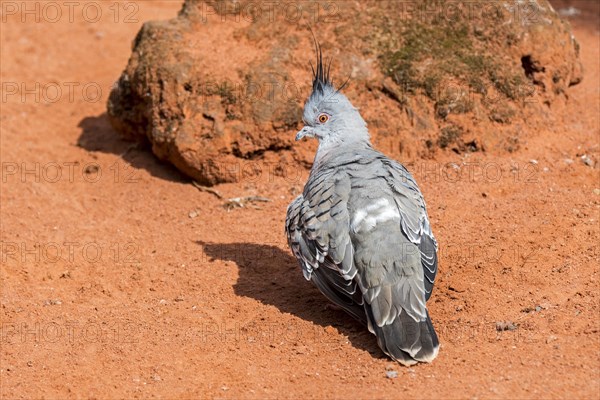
414,221
317,231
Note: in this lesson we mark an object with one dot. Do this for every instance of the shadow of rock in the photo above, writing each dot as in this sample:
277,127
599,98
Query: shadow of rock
272,276
98,135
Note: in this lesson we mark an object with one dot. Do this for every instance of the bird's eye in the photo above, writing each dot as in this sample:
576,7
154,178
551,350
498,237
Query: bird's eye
323,118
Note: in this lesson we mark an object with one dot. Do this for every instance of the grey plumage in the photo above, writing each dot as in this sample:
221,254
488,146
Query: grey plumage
360,229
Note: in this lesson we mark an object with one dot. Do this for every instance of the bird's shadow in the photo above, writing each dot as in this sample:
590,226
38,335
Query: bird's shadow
272,276
97,134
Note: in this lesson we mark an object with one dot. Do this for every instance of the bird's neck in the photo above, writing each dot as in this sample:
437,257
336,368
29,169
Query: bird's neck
330,147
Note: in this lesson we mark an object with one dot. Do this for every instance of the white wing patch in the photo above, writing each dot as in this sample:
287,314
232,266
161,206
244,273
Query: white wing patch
368,217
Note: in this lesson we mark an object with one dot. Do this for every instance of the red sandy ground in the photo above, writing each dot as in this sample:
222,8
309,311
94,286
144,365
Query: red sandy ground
120,279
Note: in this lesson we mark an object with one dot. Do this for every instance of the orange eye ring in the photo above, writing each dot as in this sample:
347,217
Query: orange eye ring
323,118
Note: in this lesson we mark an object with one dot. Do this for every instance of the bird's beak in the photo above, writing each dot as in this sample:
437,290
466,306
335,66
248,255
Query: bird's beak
306,131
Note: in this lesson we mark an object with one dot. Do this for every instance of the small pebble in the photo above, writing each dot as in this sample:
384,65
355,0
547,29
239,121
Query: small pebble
587,161
597,192
301,350
193,214
568,161
569,12
91,169
391,374
162,302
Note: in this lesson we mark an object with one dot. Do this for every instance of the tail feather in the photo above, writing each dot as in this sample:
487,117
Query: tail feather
406,340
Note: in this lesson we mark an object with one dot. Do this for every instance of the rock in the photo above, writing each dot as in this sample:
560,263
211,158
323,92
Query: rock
213,95
391,374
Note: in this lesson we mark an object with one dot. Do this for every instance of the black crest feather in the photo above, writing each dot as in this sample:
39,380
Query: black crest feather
320,74
321,77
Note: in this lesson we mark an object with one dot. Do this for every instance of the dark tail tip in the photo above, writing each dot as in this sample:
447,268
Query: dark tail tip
406,340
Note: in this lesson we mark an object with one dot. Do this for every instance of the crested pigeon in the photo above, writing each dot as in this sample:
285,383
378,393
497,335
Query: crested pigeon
360,230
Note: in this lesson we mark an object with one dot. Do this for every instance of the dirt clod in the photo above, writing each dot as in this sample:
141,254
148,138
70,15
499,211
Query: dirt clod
505,326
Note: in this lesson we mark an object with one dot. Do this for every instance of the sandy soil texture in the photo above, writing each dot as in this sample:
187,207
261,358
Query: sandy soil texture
120,279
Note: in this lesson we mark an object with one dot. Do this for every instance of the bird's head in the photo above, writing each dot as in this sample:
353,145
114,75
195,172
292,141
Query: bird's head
328,114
